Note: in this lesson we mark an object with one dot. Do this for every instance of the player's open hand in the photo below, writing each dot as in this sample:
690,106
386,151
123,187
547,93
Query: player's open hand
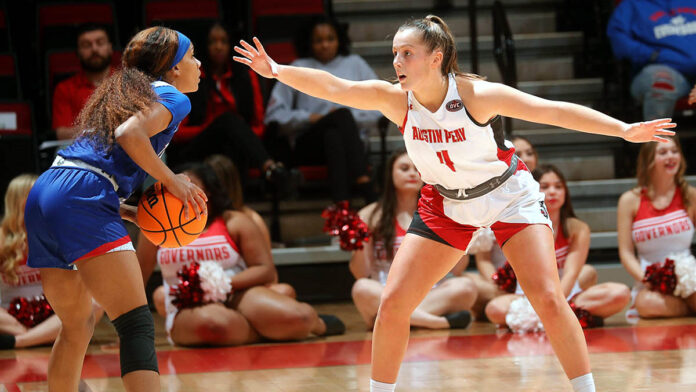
256,58
649,131
186,191
692,96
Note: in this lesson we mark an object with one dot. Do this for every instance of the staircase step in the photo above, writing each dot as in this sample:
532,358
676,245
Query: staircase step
536,44
528,69
378,26
342,7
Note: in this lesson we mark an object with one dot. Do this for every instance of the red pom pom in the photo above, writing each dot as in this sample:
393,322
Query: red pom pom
660,277
30,312
188,293
505,278
345,223
586,319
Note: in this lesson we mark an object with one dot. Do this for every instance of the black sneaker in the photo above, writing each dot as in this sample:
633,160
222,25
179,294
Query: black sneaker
459,320
334,325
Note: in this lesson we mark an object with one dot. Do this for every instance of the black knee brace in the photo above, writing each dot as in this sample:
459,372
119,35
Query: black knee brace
136,330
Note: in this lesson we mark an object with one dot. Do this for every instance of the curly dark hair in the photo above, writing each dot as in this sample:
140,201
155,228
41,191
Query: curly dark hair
148,56
303,39
218,200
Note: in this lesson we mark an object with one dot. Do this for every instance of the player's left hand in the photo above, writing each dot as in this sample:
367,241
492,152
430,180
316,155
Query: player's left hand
649,131
128,213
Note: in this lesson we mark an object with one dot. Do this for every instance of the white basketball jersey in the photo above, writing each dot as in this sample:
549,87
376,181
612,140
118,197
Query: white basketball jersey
448,147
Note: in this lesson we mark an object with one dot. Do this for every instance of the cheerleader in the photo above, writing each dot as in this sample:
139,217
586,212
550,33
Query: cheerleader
656,219
572,244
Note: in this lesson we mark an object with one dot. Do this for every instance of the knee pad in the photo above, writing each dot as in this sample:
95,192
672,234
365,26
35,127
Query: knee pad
136,331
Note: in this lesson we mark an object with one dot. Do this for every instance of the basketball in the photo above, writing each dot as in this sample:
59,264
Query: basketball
161,219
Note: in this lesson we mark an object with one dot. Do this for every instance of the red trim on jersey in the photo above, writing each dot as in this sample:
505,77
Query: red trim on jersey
106,248
219,227
457,235
403,126
647,210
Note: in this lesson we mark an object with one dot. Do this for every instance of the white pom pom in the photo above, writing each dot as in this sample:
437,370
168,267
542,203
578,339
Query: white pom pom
482,241
685,270
215,283
521,317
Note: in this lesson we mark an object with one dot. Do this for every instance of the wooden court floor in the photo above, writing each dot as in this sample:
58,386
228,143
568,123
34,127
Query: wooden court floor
653,355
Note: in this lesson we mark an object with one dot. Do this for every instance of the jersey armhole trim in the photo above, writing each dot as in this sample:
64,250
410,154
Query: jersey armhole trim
478,123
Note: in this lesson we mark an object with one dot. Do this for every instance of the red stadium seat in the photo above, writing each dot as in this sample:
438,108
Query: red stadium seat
176,10
192,18
284,7
57,23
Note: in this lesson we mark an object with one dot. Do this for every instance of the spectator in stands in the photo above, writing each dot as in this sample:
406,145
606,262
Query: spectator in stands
226,113
646,219
95,53
526,151
572,245
322,132
447,304
253,312
658,39
16,278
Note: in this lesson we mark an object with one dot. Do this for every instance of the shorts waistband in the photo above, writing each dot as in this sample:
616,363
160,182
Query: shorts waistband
481,189
64,162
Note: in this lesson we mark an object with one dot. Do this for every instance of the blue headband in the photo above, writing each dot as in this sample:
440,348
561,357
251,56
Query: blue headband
184,43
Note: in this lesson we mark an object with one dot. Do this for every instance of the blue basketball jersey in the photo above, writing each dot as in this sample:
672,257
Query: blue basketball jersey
116,161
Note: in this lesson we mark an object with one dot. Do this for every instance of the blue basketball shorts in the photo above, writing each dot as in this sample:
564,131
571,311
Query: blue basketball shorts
72,214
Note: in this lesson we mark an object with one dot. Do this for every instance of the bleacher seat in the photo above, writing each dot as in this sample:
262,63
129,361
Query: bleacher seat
9,80
57,23
192,18
17,141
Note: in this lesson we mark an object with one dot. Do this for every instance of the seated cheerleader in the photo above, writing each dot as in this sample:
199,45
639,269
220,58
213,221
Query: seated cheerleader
252,311
655,220
228,176
572,245
489,256
447,304
17,280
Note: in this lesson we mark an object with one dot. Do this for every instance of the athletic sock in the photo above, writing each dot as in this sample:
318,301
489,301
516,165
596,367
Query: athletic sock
376,386
584,383
6,341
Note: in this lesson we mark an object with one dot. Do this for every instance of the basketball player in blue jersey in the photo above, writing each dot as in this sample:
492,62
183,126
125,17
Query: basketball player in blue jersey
73,214
474,181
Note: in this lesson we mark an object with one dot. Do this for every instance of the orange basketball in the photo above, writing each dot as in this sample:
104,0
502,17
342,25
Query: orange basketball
161,219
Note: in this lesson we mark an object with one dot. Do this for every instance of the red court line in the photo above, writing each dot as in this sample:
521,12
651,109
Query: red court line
301,355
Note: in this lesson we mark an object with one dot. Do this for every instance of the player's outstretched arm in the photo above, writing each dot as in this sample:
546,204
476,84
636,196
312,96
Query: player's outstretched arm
495,98
367,95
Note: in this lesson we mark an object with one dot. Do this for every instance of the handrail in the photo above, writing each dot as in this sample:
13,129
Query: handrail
504,51
473,36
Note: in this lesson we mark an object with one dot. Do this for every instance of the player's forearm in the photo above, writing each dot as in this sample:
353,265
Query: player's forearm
314,82
138,147
584,119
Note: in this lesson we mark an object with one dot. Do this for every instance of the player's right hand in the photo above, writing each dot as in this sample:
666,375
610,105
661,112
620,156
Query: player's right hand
692,96
256,58
186,191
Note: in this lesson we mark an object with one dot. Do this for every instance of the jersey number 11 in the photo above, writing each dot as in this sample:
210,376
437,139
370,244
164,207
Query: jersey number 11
445,159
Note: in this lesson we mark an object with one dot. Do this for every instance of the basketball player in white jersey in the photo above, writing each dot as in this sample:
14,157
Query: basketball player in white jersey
474,181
